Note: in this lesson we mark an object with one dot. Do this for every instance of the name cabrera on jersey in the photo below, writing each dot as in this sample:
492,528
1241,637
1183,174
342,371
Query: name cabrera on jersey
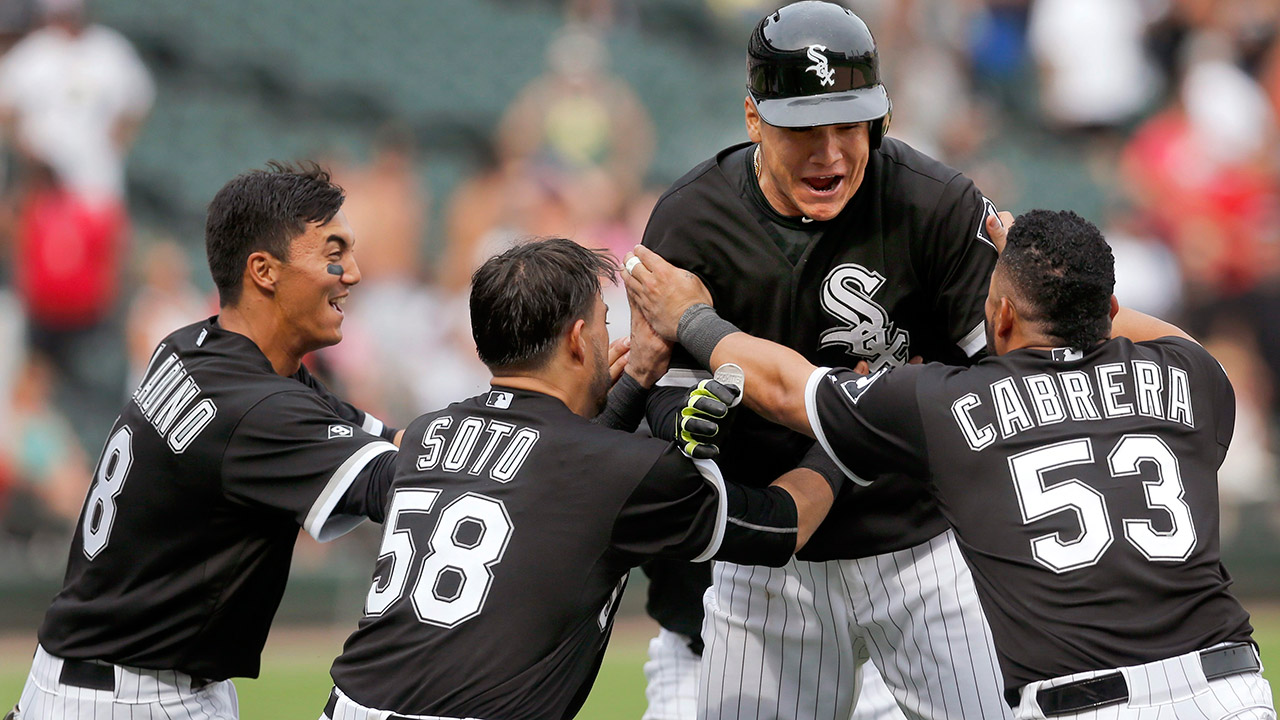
512,526
1078,486
184,543
902,271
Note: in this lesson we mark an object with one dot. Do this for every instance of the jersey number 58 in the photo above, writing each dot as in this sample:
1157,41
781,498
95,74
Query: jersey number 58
468,539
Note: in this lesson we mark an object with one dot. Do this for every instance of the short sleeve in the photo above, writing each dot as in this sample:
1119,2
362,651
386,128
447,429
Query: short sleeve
959,259
344,409
868,424
292,453
678,509
1208,380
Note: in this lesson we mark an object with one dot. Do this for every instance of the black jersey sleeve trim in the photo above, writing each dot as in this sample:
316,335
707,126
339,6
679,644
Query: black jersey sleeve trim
321,524
815,422
711,473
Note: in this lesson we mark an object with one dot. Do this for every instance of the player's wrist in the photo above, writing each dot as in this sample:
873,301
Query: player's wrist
701,329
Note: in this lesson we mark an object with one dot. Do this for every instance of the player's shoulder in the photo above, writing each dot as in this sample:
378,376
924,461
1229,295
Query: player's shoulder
912,178
690,192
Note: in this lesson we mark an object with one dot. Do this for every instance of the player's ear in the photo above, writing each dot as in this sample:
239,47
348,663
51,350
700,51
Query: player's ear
1115,307
263,270
577,341
1006,318
753,119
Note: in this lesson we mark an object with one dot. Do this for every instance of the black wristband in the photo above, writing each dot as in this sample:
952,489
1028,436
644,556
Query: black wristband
701,329
820,462
625,407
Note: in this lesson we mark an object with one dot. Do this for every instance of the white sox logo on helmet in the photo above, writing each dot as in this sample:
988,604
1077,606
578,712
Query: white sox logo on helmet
820,66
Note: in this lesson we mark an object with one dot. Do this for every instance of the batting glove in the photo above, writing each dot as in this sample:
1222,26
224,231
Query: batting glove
706,407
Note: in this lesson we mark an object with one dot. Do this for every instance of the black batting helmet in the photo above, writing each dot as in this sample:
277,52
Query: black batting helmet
815,63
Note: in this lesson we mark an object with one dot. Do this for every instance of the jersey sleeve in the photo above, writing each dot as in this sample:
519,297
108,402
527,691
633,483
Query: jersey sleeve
1206,369
677,510
958,259
292,453
346,410
868,424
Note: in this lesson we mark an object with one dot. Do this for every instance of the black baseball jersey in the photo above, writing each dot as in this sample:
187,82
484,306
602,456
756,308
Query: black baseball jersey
902,271
512,527
183,547
1082,488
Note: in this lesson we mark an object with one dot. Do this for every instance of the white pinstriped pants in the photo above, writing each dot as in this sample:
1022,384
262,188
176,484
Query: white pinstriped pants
789,643
138,694
1173,689
672,675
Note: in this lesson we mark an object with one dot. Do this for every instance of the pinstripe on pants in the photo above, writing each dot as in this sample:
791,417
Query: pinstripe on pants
347,709
139,695
789,642
1172,689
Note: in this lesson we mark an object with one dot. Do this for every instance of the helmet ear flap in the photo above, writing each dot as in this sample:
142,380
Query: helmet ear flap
879,127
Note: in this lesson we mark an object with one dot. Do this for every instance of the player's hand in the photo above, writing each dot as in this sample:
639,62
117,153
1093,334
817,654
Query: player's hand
661,290
650,354
619,351
998,228
705,410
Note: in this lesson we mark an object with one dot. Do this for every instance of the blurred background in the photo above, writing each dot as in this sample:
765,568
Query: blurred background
458,126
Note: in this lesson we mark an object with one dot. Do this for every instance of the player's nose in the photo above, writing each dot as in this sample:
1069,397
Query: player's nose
352,274
826,146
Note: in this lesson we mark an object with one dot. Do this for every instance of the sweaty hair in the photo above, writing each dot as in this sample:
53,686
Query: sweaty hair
523,299
264,210
1062,267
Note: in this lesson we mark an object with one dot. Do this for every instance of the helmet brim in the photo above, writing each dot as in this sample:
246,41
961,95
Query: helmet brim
851,106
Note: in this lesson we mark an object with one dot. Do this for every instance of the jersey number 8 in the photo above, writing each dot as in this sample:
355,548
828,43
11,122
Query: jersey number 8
468,539
100,508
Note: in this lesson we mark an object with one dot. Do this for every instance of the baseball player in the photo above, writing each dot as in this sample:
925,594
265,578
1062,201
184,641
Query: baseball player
513,520
1079,473
224,450
850,247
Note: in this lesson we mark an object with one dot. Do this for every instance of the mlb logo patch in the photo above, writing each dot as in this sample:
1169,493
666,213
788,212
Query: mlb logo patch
1066,354
499,399
340,431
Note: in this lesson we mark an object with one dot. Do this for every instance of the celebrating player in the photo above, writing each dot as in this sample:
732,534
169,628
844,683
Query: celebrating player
227,446
848,247
1079,473
514,520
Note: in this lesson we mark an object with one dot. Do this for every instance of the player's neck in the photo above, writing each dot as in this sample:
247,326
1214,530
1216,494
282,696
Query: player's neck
547,385
263,331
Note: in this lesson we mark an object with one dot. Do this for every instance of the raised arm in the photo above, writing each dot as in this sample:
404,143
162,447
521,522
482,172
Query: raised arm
677,306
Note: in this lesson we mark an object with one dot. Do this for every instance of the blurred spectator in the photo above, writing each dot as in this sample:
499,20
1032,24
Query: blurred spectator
1094,69
1248,474
388,207
166,299
49,469
73,96
577,116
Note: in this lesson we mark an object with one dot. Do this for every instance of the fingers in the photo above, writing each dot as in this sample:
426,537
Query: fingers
862,368
618,348
917,360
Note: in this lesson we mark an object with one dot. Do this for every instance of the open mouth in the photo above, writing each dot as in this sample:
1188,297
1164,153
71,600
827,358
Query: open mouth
823,184
337,303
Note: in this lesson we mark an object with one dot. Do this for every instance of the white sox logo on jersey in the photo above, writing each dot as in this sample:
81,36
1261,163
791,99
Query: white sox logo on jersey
868,333
820,66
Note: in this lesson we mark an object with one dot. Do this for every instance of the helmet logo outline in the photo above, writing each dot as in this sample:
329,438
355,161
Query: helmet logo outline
821,67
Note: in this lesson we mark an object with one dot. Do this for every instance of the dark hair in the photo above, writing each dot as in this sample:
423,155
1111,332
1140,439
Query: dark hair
1062,267
264,210
523,299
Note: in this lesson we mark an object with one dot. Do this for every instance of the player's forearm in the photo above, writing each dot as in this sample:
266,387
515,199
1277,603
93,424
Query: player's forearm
1140,327
775,378
813,498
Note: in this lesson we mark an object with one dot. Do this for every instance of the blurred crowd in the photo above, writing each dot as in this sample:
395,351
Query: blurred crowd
1166,108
